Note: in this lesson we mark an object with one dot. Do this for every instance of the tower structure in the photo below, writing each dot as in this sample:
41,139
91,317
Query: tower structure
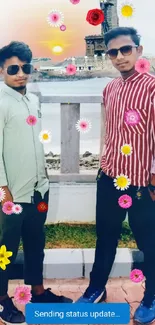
95,43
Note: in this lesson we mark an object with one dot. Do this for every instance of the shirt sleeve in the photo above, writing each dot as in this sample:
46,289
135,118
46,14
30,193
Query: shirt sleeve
3,178
153,167
153,136
104,125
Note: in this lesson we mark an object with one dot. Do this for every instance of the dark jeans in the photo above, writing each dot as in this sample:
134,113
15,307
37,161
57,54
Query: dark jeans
29,225
109,218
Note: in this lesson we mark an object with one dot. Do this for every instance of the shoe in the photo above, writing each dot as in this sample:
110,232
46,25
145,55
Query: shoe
9,314
93,296
49,297
145,313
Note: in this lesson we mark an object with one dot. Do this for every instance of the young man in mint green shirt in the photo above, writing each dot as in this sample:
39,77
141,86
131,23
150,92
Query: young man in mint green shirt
22,178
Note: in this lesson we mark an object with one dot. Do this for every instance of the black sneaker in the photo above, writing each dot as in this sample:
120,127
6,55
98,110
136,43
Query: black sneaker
49,297
9,314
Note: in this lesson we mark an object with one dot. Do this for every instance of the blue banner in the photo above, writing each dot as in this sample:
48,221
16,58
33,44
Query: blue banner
105,313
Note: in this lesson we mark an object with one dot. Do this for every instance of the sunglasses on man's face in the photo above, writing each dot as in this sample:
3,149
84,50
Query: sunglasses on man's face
125,50
14,69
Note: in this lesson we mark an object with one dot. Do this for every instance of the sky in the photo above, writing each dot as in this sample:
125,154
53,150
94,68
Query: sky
26,21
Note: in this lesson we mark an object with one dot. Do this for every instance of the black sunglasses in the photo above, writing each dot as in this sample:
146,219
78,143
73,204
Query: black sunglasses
125,50
13,69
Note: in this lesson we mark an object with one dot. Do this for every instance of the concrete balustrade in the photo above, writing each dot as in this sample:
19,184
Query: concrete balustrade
70,137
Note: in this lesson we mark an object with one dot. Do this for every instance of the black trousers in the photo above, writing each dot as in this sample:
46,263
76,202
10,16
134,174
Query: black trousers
29,225
109,218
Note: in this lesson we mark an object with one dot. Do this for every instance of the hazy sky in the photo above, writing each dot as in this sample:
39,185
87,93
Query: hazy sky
26,21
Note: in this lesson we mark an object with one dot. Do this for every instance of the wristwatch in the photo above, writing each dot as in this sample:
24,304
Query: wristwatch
151,188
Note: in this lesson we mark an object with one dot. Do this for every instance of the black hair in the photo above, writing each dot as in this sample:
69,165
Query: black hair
19,49
121,31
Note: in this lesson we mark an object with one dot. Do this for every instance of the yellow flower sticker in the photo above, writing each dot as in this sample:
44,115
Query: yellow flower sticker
127,10
121,182
126,149
4,257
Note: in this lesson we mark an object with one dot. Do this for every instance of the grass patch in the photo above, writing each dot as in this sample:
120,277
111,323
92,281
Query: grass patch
81,236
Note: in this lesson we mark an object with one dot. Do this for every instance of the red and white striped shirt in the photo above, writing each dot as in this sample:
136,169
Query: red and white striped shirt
123,100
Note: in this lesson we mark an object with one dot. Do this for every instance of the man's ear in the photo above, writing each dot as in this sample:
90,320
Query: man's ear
140,50
1,70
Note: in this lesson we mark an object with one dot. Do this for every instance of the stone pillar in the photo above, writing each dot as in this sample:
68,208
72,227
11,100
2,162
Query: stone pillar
112,17
70,138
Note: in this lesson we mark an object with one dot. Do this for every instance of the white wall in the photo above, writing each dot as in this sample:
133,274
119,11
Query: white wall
72,203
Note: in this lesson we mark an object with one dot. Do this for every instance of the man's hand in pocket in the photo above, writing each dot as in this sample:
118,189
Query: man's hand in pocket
8,196
152,194
152,183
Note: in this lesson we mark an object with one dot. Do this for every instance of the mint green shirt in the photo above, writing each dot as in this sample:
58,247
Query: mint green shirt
22,162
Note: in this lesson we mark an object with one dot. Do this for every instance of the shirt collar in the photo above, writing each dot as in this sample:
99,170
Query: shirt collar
135,76
15,93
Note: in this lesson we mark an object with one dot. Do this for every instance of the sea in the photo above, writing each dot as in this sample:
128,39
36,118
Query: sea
51,112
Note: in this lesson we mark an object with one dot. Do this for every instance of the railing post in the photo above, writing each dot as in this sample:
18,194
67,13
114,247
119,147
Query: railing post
70,138
38,94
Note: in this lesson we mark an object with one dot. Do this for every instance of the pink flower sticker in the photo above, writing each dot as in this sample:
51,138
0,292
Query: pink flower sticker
132,117
136,275
71,69
83,125
7,207
31,120
74,2
142,66
63,28
17,209
22,295
55,18
125,201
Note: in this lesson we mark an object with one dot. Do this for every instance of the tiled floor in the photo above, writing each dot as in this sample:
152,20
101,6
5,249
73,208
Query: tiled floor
119,290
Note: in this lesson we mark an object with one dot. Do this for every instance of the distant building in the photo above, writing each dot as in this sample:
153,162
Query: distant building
42,62
95,43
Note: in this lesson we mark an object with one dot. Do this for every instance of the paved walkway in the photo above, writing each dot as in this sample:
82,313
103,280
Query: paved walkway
119,290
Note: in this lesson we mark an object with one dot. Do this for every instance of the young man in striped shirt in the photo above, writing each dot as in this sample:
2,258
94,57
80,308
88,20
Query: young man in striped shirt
126,179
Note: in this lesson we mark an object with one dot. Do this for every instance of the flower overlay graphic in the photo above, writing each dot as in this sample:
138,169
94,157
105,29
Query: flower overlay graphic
55,18
132,117
71,69
31,120
7,207
4,257
17,209
1,308
95,17
22,294
125,201
2,194
83,125
121,182
63,28
126,149
45,136
42,206
127,10
136,275
74,2
142,66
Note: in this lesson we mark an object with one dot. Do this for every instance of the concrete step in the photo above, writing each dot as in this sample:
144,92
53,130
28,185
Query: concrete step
77,263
